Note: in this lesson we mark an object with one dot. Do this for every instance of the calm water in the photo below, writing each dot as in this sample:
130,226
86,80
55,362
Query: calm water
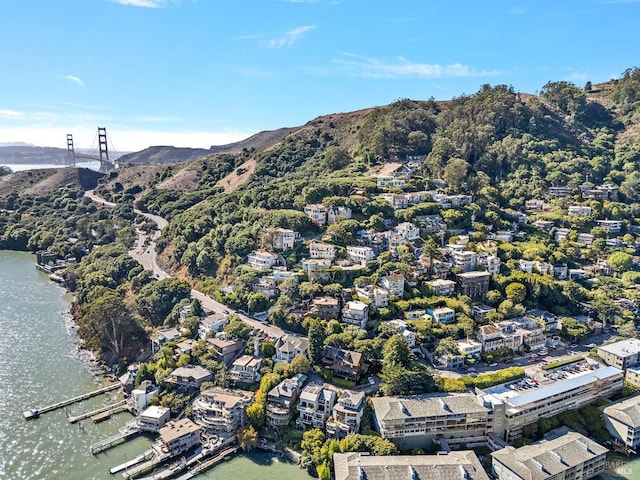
19,167
41,364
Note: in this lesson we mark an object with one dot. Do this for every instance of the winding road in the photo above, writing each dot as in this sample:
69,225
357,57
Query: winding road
145,254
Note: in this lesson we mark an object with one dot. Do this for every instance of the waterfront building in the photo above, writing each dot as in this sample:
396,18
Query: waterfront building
281,398
178,436
459,465
143,394
315,406
221,411
347,414
622,354
569,455
417,421
153,418
623,422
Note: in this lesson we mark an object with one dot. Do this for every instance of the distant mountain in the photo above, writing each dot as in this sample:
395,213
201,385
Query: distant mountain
169,154
25,153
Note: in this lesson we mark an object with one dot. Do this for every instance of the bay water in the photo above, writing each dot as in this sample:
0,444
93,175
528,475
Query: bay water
40,364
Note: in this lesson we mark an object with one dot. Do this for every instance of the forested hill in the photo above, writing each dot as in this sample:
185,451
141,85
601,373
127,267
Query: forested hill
500,146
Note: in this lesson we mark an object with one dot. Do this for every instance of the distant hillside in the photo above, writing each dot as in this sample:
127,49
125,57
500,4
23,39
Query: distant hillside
23,153
168,154
43,181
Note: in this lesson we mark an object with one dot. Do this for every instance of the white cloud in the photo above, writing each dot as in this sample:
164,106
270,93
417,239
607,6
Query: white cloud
10,114
73,79
290,37
359,66
576,77
142,3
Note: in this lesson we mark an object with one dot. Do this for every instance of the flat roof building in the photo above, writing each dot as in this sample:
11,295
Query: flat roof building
622,354
461,465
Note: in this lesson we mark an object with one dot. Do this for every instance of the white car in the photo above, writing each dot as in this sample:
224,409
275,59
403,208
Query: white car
371,381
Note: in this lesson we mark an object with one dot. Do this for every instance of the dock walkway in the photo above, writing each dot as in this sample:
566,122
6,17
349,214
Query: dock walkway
146,455
124,433
36,412
110,409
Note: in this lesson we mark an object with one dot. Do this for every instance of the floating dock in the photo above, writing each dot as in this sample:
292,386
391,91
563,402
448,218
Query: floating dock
146,455
36,412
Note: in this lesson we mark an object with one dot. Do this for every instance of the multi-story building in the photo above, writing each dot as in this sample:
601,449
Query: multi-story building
334,214
395,240
579,211
266,286
513,409
246,369
611,226
360,255
490,338
312,265
317,213
315,405
343,363
532,333
622,354
622,419
322,250
289,347
327,308
396,200
443,315
466,260
221,411
347,414
281,398
474,285
443,288
153,418
408,230
511,335
391,181
585,239
632,376
393,283
458,465
378,296
432,223
607,191
561,234
493,265
537,205
566,455
560,191
262,260
469,348
212,322
226,350
417,421
178,436
356,313
283,238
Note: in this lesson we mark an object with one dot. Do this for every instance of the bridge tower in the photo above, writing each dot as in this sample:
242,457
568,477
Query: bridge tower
103,148
71,155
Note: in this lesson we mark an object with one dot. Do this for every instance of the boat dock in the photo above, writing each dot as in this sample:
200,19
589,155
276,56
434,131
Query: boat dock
146,455
127,431
101,413
150,464
36,412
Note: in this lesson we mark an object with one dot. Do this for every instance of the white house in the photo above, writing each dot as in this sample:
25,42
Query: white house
360,255
579,211
322,250
262,260
356,313
408,230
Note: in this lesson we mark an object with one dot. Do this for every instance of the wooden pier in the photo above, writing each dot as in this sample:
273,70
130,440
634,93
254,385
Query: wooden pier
146,455
101,413
122,436
36,412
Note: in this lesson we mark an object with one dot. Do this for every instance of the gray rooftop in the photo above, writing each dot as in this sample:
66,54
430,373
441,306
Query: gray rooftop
531,396
460,465
623,348
541,460
429,405
626,411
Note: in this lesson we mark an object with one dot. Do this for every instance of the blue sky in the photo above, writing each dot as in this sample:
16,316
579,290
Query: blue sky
205,72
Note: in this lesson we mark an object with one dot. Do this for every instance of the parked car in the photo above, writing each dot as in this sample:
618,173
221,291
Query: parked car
371,381
494,364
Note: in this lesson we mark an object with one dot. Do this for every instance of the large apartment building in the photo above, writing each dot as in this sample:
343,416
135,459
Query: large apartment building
622,354
221,411
567,455
417,421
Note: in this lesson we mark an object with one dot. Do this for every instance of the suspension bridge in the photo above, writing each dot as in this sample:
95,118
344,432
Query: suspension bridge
99,153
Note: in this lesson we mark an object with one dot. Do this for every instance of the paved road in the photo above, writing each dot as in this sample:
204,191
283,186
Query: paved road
145,253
